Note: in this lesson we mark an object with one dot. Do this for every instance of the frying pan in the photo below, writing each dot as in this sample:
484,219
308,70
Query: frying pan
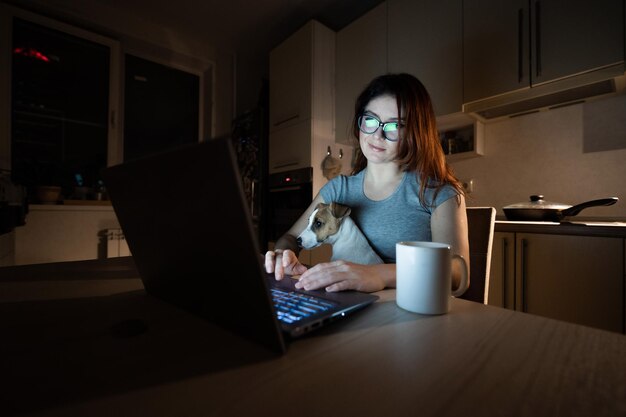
537,209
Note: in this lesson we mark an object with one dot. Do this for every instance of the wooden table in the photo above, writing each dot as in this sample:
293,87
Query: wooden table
118,352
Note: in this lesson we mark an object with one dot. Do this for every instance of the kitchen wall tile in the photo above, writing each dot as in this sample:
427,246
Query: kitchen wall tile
544,153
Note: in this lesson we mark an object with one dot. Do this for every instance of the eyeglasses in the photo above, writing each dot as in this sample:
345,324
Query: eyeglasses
370,124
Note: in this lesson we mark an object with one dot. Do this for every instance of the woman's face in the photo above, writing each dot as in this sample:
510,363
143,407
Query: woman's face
374,146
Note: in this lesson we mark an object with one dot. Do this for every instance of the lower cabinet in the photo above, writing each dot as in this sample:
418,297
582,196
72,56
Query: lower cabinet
7,249
60,233
579,279
291,147
502,275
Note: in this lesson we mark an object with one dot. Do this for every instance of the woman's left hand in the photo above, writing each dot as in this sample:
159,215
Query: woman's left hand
342,275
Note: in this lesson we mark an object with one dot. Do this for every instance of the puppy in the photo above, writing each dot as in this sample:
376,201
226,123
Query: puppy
331,223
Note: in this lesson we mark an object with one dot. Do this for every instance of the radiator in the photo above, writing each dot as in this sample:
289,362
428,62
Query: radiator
116,243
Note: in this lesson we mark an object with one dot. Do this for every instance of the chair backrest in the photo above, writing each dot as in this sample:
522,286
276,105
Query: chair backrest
480,225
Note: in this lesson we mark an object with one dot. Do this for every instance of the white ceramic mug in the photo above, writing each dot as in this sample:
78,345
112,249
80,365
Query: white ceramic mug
424,277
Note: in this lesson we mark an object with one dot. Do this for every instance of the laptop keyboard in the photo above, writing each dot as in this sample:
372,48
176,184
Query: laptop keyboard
292,306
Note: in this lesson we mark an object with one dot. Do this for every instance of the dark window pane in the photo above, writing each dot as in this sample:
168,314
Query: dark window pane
60,99
160,107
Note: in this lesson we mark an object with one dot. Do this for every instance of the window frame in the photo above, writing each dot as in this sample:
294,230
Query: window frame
157,59
204,69
114,129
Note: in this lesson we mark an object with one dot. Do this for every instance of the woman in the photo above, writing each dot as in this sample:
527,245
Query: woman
401,188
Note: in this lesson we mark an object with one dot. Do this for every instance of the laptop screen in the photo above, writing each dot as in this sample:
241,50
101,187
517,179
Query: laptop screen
184,217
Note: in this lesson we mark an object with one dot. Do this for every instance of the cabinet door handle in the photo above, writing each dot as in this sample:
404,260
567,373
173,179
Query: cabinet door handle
280,122
524,278
288,164
538,37
520,45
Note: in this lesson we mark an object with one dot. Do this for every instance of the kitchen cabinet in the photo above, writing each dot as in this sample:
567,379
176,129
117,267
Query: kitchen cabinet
576,279
290,78
59,233
361,55
502,275
301,100
426,40
579,279
288,147
7,248
520,44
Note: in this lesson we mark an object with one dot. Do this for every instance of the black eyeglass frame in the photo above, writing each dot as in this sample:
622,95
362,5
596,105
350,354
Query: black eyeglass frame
380,124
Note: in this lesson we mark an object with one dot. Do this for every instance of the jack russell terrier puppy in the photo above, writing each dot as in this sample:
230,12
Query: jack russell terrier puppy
331,223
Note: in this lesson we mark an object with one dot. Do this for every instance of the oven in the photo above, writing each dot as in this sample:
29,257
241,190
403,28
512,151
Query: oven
290,193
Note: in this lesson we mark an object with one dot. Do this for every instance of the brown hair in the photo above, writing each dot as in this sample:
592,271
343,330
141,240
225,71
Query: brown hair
419,148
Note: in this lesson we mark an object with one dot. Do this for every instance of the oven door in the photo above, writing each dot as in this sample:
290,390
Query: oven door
290,194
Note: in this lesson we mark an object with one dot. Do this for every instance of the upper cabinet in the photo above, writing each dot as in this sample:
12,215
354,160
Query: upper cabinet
426,40
301,101
361,55
519,44
290,79
421,38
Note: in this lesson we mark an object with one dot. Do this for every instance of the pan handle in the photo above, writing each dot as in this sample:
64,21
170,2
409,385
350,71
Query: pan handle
574,210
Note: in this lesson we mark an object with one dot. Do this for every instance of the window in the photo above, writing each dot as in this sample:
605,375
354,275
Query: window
161,107
60,107
61,98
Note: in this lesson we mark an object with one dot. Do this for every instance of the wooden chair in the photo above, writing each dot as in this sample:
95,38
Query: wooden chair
480,224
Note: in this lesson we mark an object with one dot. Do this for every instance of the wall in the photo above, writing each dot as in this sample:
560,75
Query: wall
252,72
554,153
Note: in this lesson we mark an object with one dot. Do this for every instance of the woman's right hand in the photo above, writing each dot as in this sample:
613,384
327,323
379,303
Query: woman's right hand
283,262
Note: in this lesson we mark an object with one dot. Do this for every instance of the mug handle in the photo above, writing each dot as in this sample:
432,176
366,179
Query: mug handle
464,276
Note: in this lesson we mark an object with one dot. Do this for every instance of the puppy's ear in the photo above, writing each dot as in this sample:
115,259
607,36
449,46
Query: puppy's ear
321,205
339,210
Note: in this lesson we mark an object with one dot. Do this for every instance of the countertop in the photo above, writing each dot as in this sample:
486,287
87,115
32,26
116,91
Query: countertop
74,205
604,228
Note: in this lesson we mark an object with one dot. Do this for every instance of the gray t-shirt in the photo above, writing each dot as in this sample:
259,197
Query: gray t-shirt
397,218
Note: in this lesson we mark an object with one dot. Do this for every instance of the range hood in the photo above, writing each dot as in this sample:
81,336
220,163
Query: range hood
607,81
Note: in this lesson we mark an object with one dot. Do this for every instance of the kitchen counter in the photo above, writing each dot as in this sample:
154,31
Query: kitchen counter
576,228
74,205
60,232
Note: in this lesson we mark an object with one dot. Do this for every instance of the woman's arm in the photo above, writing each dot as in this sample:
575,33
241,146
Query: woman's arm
333,276
342,275
448,224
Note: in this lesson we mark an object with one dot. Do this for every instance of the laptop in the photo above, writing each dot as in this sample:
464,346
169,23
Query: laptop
184,217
